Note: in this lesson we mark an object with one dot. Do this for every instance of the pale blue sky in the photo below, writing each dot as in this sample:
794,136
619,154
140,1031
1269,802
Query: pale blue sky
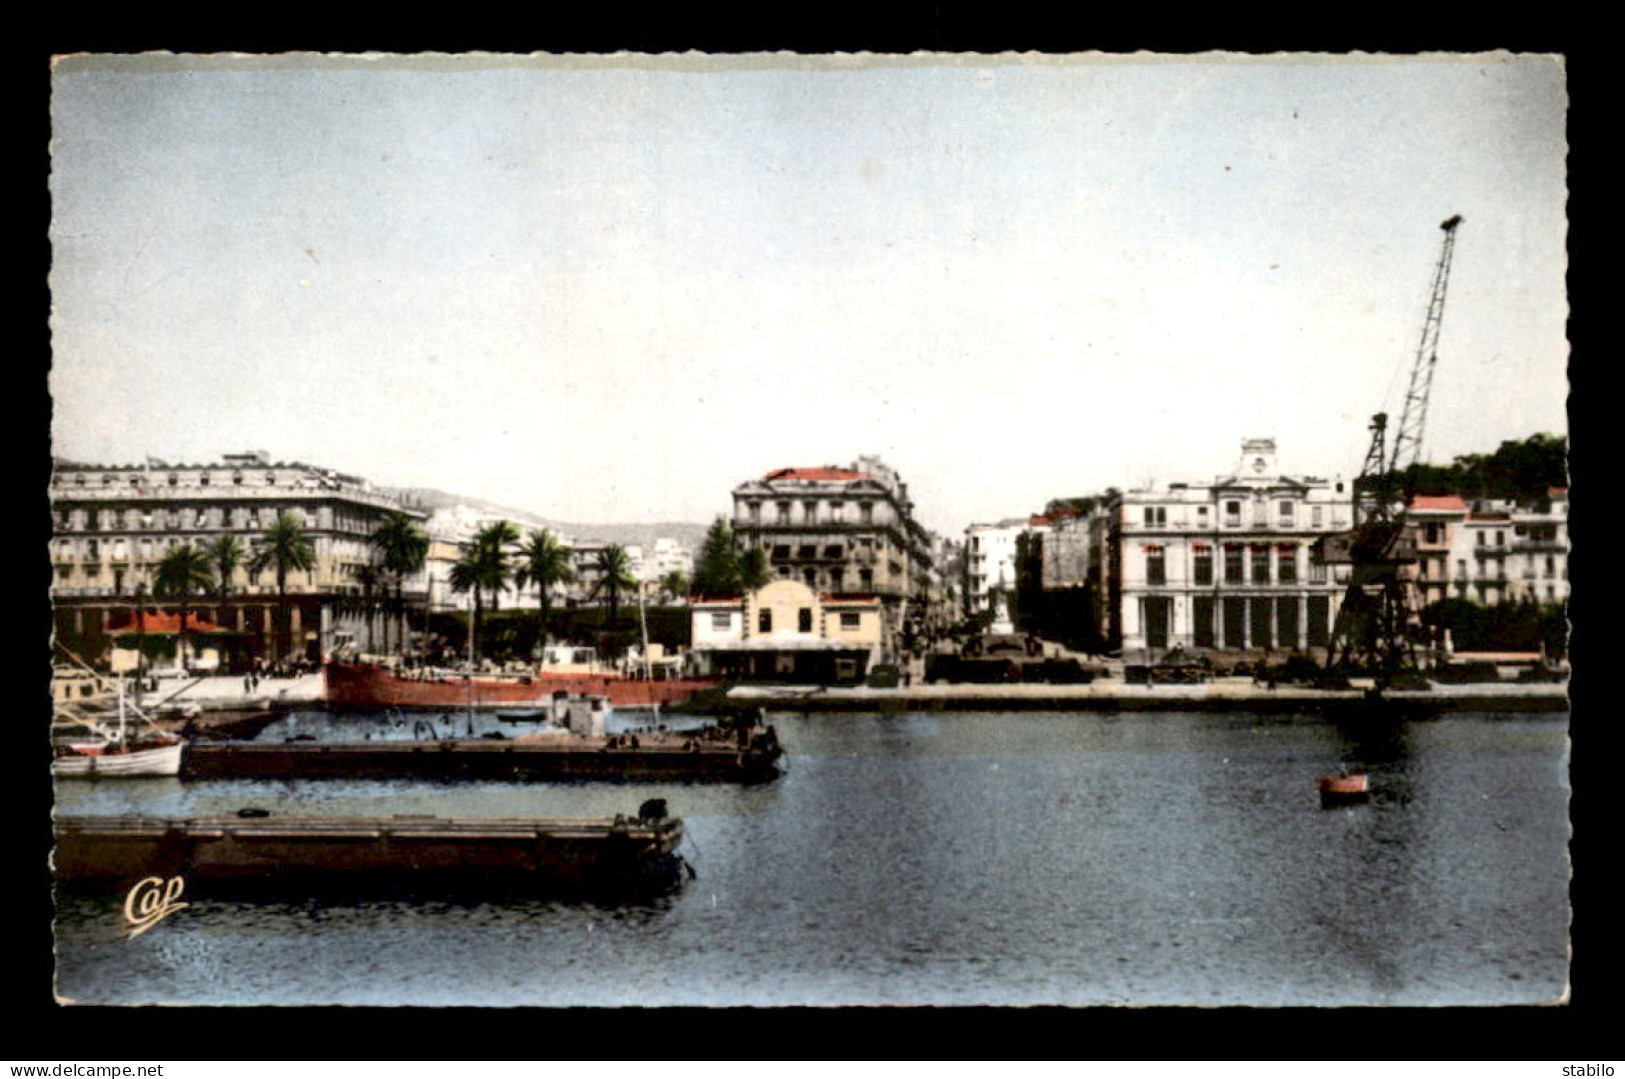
604,292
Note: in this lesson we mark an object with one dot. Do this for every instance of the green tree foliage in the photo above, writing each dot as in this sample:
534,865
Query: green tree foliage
1082,505
483,568
284,548
544,562
226,553
183,571
753,569
401,548
1515,626
370,583
717,570
1522,471
615,576
674,585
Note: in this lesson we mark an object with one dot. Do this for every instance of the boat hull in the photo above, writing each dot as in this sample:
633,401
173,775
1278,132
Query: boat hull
158,761
366,686
563,759
1343,790
266,849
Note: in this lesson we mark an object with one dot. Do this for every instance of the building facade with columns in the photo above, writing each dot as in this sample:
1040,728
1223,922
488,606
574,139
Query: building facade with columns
113,525
1225,564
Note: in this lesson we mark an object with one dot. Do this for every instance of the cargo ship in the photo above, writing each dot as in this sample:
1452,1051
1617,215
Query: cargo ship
374,686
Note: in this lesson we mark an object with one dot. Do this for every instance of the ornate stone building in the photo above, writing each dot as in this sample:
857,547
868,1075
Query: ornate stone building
1226,564
113,524
843,531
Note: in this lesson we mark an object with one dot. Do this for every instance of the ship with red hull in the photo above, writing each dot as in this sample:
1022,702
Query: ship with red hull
373,686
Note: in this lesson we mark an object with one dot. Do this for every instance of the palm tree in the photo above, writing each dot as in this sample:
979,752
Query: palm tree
370,578
226,553
544,563
284,549
484,568
184,570
402,548
615,573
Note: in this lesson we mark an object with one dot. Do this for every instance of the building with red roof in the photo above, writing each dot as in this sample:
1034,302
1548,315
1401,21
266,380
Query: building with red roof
841,530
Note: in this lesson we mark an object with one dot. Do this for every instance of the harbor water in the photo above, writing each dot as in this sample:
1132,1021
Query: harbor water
933,859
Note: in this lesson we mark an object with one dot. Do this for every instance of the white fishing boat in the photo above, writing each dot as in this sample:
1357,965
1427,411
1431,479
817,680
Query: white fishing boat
110,759
91,742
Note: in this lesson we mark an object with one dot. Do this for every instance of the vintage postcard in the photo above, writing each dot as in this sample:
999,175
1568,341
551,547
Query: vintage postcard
810,530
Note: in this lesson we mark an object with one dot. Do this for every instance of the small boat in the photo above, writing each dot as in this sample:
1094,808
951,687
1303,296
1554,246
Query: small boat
115,759
90,743
1343,789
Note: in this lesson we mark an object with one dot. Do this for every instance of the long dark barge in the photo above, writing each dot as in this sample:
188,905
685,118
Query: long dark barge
257,848
669,758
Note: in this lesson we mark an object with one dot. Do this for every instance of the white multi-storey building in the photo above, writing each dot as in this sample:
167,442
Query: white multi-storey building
1226,564
990,563
114,524
1502,551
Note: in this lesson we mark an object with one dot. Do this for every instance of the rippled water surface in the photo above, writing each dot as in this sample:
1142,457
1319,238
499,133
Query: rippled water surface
939,859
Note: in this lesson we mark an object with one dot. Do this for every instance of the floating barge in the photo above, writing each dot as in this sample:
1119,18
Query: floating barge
259,848
668,758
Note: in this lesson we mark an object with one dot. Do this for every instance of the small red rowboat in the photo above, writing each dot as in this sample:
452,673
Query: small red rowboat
1343,789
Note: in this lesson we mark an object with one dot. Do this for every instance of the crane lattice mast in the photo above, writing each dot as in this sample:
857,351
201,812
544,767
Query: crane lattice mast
1407,446
1372,632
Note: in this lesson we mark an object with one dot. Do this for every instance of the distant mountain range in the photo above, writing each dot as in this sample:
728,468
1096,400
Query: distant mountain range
689,534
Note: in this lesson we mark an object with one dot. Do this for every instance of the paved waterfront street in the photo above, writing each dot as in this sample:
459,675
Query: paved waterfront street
1225,694
230,692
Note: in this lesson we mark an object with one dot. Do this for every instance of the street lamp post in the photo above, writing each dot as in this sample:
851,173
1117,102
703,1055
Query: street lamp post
139,598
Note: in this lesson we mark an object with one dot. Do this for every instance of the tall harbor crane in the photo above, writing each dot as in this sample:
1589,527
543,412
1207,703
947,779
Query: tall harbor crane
1372,632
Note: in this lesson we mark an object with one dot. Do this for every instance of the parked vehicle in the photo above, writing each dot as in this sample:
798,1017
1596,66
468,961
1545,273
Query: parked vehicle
1004,657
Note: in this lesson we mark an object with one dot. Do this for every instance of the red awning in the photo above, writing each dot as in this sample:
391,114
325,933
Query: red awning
150,622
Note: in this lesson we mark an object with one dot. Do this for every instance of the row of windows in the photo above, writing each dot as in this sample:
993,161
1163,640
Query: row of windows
98,520
809,511
1237,559
1286,515
144,479
804,620
836,578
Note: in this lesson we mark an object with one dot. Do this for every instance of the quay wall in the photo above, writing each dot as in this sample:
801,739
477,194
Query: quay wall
1116,696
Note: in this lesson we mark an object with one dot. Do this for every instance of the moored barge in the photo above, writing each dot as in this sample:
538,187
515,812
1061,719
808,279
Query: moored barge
256,847
651,757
